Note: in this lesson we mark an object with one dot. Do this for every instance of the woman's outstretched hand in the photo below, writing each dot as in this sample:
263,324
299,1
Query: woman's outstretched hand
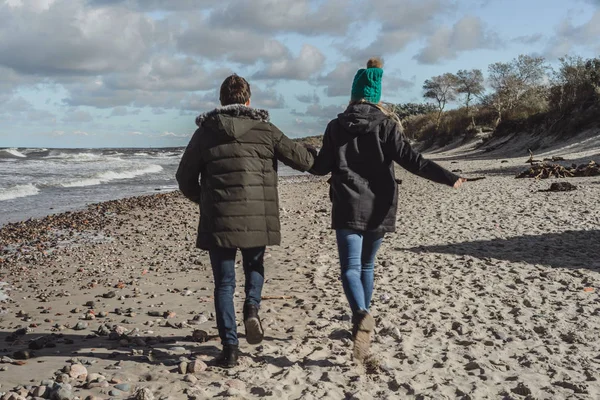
459,182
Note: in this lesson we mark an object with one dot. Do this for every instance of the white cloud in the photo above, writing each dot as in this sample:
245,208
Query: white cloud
174,135
69,38
78,116
569,37
469,33
309,61
298,16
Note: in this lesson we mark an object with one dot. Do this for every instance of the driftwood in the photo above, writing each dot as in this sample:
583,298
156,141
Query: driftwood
531,160
555,159
477,178
546,170
560,187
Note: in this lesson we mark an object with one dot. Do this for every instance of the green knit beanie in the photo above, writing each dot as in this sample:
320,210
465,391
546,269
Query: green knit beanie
367,84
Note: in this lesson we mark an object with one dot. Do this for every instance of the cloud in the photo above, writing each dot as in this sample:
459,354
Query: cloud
401,22
156,5
135,133
308,98
266,98
55,133
78,116
321,114
119,112
81,133
174,135
17,109
66,38
529,39
338,82
229,43
309,61
330,17
570,36
469,33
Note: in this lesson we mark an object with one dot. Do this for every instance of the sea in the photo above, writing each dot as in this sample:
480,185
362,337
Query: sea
35,182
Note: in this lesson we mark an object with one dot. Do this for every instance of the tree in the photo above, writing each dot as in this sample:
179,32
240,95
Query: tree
469,83
511,81
576,83
441,89
406,110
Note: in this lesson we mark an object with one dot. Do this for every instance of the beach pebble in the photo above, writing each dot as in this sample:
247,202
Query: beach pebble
183,367
62,394
78,371
199,336
196,366
143,394
81,326
40,391
124,387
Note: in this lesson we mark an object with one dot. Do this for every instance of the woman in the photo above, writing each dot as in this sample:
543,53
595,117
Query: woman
359,149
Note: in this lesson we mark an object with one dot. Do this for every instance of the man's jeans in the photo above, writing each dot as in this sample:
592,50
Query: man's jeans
357,252
223,266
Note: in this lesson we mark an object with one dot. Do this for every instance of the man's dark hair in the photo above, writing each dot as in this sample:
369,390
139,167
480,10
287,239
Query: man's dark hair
234,90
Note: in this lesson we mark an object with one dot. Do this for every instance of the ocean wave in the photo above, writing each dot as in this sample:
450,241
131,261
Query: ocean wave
18,191
109,176
11,153
76,156
34,150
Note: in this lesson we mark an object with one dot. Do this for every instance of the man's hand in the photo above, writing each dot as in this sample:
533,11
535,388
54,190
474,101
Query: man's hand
311,149
459,182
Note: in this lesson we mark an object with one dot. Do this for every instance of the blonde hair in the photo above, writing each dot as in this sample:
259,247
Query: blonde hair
382,107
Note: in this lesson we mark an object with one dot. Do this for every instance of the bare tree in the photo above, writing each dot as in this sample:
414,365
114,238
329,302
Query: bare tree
511,81
441,89
576,83
469,83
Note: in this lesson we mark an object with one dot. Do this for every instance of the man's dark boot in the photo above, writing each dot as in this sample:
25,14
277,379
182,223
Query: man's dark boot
229,356
254,330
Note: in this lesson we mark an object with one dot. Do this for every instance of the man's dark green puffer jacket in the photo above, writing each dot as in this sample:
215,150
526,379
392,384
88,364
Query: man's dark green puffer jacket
230,169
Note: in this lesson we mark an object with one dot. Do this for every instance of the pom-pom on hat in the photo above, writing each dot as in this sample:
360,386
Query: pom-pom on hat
367,82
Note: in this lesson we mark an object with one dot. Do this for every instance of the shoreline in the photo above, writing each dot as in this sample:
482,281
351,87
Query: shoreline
29,237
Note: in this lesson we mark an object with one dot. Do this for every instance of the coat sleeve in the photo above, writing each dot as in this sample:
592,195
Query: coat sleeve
291,153
401,152
189,170
325,160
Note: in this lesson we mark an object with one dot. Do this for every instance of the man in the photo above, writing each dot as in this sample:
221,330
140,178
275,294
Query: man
234,152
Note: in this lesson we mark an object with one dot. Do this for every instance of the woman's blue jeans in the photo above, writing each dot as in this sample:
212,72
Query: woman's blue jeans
357,252
223,266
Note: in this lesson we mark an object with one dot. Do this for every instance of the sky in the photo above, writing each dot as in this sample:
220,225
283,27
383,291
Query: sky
135,73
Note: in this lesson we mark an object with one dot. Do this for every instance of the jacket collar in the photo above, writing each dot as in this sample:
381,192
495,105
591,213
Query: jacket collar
235,110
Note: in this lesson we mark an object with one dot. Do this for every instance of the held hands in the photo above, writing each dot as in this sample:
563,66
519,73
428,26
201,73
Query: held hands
459,182
311,149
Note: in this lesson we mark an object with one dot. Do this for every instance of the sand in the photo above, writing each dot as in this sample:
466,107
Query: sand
487,292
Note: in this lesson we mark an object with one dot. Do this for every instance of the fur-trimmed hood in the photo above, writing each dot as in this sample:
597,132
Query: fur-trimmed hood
232,121
235,110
